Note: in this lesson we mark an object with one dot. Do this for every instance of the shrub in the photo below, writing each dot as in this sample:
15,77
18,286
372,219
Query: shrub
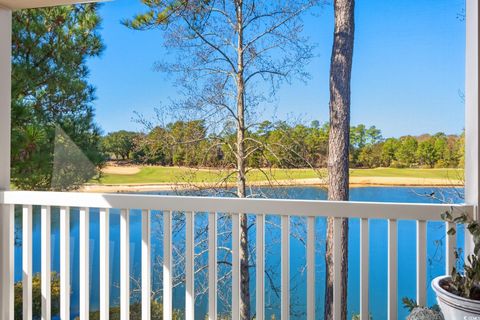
37,296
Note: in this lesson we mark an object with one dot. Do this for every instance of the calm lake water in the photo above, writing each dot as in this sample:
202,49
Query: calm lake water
378,253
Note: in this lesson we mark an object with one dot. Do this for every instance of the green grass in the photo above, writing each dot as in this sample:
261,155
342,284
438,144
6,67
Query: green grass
159,175
151,175
453,174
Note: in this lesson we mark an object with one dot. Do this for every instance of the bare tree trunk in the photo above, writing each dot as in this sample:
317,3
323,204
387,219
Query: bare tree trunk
339,142
241,170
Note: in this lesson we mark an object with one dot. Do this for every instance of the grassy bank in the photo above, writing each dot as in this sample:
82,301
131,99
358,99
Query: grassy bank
152,175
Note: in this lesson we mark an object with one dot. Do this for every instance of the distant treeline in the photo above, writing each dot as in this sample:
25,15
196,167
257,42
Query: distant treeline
282,145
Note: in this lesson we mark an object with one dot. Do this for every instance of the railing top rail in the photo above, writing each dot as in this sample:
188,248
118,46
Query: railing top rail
351,209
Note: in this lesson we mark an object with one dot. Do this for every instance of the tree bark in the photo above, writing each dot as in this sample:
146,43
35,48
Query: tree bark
241,169
339,142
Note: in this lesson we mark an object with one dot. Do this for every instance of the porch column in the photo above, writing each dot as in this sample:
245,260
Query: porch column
6,218
472,115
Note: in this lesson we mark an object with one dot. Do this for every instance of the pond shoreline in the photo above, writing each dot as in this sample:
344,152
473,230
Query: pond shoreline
355,182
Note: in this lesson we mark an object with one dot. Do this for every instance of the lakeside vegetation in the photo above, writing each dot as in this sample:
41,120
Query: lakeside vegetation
281,145
184,152
163,175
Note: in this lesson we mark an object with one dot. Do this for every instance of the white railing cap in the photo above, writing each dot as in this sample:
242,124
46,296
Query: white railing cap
350,209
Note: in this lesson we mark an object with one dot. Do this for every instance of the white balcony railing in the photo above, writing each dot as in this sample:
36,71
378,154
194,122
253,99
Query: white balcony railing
392,212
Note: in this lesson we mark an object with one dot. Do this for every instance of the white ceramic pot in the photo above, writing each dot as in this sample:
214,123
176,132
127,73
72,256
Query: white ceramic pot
454,307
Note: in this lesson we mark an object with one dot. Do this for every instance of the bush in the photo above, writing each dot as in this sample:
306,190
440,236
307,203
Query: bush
397,164
442,164
135,308
136,312
37,296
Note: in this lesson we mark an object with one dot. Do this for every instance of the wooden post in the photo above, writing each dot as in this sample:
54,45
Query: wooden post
6,214
472,116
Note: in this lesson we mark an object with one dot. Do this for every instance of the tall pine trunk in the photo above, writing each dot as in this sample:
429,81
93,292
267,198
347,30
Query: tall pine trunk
339,142
241,168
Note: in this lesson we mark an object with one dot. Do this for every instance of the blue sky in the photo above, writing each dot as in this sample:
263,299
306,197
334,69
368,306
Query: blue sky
408,72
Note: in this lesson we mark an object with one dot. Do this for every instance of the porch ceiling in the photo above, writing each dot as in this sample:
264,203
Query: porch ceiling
25,4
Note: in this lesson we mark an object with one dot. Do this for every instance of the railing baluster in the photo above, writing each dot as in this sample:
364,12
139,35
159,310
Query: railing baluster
421,263
285,270
364,269
46,263
451,244
167,265
236,275
84,263
27,262
392,269
337,268
104,264
212,266
260,241
125,264
146,264
190,266
310,267
64,263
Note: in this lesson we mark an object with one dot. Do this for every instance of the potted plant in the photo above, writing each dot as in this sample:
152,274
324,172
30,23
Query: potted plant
458,294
